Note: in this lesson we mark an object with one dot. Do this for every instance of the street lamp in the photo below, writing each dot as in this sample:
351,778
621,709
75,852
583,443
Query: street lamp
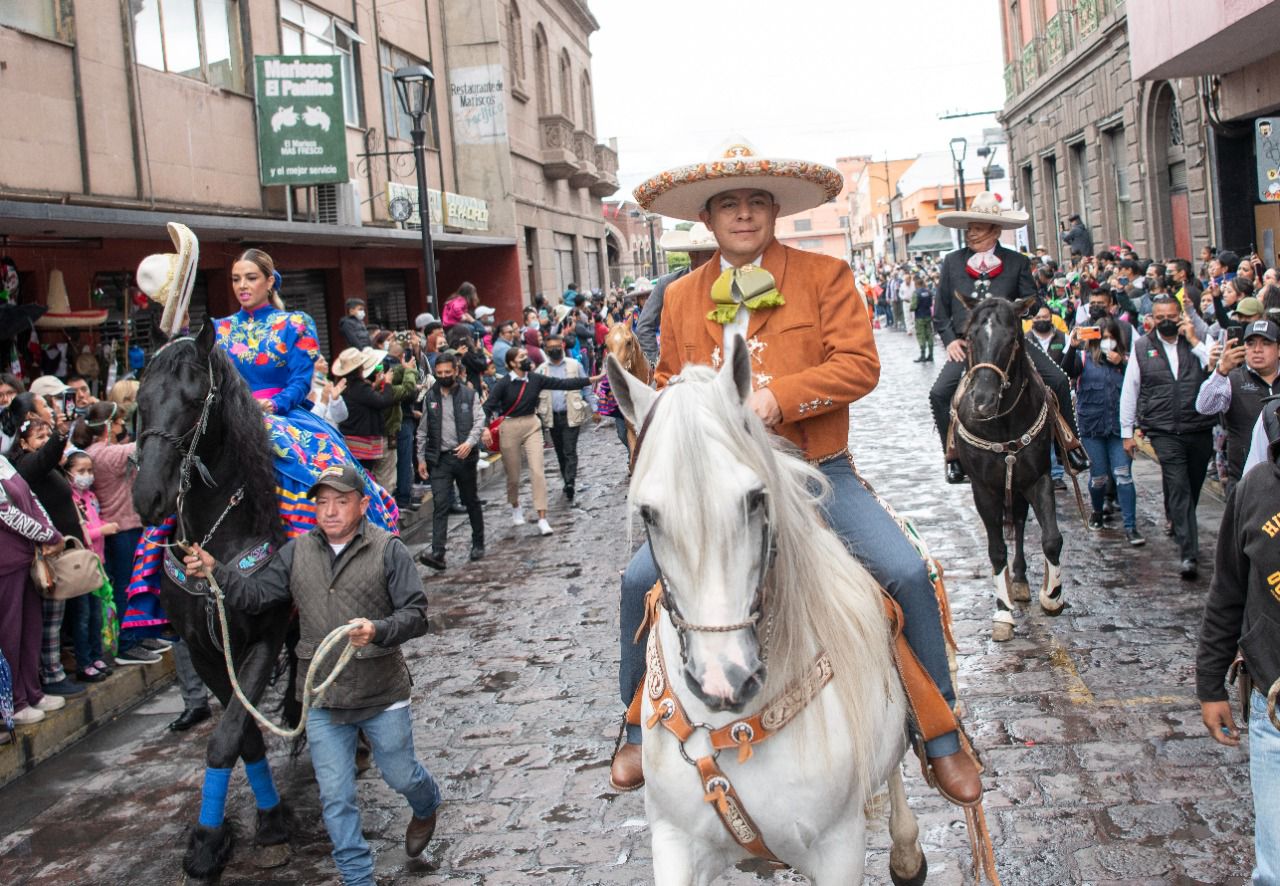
893,234
959,145
650,218
414,85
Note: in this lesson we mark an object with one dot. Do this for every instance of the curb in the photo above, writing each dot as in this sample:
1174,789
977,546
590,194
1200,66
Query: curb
128,686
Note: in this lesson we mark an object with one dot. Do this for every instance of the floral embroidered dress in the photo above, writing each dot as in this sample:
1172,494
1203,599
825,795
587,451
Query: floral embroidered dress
275,352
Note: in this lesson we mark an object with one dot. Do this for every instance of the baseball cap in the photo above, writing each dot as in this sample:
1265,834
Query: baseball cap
343,478
48,386
1249,307
484,311
1264,328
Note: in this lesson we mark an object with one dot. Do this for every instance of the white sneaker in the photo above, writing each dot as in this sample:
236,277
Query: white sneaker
517,516
50,703
28,715
544,527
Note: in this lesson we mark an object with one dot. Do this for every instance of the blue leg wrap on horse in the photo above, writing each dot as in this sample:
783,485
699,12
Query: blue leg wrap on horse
214,804
264,789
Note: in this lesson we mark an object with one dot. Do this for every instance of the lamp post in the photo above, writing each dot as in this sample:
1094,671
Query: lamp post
959,145
414,85
653,248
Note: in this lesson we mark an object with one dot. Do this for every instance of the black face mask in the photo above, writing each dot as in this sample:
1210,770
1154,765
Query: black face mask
1042,325
1097,312
526,364
1167,328
445,381
555,353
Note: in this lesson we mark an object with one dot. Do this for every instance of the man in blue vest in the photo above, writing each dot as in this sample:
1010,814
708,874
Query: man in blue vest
1161,381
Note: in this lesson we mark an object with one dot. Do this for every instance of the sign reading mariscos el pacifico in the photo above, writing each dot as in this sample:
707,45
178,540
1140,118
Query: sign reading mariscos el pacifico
302,136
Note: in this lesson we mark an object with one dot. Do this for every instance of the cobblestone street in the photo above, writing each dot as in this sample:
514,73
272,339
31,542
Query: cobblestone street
1099,770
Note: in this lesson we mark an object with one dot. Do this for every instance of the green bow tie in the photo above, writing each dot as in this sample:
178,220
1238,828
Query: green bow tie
750,286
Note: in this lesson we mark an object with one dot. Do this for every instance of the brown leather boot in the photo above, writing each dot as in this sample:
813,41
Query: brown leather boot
418,834
626,772
957,777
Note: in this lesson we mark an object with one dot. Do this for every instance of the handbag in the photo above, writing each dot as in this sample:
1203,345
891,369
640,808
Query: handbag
74,572
493,427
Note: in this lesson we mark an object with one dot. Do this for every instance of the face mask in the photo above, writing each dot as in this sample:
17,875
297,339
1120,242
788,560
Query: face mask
1167,328
1042,325
83,481
555,353
526,364
445,381
1107,345
360,315
1097,312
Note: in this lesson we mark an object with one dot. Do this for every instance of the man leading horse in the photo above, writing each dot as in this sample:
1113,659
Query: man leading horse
812,354
983,267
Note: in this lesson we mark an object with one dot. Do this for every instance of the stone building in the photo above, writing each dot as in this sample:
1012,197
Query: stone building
1129,157
632,238
133,114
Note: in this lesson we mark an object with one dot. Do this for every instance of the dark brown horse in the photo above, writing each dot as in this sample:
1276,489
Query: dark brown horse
1003,418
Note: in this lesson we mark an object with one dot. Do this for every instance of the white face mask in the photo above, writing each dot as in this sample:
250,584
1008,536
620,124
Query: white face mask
83,481
360,314
1107,345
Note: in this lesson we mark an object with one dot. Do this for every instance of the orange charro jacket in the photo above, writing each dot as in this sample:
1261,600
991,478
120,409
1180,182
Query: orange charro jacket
815,353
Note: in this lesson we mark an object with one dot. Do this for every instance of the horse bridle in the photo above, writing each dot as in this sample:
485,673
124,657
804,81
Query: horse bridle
186,444
768,553
1004,379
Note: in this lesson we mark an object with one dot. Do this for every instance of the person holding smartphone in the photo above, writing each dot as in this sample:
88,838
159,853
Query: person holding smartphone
1247,364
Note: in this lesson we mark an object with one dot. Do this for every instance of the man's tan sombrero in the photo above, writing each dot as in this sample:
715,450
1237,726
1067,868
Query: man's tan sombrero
984,210
347,362
168,278
796,185
696,239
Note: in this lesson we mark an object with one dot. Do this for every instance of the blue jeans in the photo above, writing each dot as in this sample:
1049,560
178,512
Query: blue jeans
1055,467
404,462
85,614
875,540
1264,778
119,550
620,425
333,750
1107,458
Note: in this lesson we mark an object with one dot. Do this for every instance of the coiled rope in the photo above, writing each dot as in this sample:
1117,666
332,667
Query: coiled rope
311,695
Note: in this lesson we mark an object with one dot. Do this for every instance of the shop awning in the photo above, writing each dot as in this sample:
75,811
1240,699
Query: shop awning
56,220
931,238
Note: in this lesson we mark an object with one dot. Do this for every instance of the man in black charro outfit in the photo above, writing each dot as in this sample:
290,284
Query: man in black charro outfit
986,268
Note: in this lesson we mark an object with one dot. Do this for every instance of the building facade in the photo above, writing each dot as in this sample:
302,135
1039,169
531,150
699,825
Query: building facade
1227,51
1084,137
137,114
632,238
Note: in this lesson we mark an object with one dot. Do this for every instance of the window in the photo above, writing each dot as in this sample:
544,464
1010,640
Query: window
199,39
305,30
588,112
1028,203
1055,200
591,247
399,124
844,221
34,16
804,224
565,273
566,85
542,60
1118,153
515,43
1080,178
814,243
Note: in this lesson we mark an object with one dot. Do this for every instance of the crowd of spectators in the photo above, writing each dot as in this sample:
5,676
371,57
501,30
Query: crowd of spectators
412,404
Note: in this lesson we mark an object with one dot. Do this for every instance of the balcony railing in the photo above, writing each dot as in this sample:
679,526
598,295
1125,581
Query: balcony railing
607,168
1030,63
1056,37
559,159
1088,14
1012,85
584,148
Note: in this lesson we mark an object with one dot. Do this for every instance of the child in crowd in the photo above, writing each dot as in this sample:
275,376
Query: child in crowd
85,611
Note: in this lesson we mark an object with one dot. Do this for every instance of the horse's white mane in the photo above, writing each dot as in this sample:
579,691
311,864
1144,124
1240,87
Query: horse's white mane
818,595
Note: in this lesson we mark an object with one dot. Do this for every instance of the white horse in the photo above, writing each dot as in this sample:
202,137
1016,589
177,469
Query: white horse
721,500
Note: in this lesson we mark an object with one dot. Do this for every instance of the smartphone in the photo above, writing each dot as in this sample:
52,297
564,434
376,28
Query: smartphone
1089,333
1234,334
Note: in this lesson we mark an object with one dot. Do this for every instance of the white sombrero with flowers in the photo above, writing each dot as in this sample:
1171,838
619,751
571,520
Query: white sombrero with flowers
985,209
796,185
695,239
168,278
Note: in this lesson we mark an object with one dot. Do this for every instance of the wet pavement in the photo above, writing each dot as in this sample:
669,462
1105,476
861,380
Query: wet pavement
1099,770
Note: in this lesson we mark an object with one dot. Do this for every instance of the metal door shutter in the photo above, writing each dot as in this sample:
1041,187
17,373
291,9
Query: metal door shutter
305,291
385,294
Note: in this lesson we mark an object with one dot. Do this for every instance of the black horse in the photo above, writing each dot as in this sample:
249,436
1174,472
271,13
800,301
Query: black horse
204,454
1004,418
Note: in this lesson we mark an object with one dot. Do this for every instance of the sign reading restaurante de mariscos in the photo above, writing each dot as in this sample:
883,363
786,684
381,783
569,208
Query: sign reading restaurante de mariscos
302,136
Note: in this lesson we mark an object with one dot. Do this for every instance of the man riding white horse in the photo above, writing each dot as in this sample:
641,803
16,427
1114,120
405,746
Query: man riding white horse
984,267
812,354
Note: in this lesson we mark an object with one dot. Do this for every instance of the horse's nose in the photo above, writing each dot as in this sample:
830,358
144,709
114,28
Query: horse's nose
726,688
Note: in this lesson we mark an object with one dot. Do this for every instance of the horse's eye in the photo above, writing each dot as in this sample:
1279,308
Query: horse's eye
648,515
755,500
